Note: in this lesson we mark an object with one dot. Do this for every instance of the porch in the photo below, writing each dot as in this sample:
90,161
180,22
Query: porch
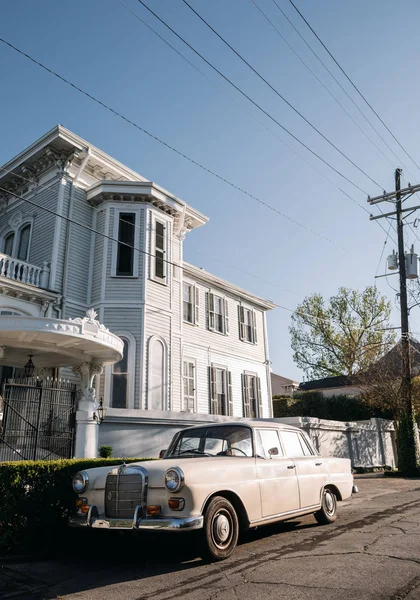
31,406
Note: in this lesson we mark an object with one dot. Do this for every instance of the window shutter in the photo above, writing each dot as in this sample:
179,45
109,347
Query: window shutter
241,321
210,304
226,317
196,305
212,389
259,398
245,396
254,327
229,395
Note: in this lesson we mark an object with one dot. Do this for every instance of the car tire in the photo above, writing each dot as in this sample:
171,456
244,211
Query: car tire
221,529
328,512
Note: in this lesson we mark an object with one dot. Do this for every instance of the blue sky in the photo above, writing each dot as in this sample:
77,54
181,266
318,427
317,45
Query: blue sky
102,48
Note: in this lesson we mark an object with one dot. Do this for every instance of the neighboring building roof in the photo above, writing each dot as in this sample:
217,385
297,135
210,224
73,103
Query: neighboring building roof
392,360
326,382
225,286
283,380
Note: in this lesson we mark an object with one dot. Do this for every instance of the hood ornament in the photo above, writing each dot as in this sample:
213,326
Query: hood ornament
123,467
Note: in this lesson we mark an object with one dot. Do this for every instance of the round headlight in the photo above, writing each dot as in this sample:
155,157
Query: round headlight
80,482
174,479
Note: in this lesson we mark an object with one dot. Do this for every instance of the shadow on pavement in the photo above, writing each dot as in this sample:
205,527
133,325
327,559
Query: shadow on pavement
89,560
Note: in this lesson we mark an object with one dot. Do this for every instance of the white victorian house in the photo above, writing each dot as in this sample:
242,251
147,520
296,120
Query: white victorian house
80,231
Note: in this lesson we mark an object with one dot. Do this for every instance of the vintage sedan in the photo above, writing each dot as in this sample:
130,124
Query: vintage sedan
220,479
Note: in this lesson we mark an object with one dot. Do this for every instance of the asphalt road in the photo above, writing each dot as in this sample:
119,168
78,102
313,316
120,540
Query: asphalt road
372,552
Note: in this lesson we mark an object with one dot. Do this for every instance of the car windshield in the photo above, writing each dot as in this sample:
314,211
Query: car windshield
226,440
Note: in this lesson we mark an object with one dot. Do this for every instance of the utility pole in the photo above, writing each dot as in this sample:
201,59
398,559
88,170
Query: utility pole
408,456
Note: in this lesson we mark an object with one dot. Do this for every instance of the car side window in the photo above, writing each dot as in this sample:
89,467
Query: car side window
307,450
292,444
268,443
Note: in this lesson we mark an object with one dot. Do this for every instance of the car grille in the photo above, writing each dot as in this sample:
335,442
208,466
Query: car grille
123,492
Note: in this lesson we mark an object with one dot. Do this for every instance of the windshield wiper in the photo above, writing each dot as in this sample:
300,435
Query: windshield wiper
194,452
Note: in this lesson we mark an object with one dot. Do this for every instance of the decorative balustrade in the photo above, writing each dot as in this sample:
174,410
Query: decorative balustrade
21,271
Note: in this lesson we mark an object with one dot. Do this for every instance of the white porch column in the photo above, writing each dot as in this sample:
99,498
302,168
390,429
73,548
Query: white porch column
86,443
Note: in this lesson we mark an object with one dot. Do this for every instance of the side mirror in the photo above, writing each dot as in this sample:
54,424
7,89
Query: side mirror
162,453
273,452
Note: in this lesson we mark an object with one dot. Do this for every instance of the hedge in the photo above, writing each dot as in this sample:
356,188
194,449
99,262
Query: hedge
336,408
36,498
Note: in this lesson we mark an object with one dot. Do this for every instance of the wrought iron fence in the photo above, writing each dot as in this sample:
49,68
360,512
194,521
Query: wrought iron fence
38,419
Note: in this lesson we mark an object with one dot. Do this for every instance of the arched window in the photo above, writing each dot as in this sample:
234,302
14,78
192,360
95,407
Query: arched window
23,247
8,244
157,380
16,243
119,389
119,379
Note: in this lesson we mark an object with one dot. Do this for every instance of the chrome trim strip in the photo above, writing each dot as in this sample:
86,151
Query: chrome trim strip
162,523
290,513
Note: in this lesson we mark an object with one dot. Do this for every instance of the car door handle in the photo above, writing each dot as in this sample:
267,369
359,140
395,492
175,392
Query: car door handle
290,466
318,464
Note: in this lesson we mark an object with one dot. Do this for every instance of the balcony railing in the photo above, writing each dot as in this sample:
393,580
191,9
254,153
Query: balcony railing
21,271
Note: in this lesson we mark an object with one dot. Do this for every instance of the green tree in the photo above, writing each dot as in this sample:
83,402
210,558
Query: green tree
343,336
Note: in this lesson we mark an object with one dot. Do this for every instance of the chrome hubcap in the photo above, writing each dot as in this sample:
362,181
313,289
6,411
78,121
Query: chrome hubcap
221,530
329,502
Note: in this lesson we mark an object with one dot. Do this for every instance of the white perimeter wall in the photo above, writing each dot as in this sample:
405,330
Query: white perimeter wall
144,433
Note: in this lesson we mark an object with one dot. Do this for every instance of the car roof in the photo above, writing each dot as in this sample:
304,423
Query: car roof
248,423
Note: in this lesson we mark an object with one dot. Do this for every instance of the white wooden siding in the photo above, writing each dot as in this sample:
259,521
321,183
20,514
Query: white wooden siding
79,249
231,344
99,245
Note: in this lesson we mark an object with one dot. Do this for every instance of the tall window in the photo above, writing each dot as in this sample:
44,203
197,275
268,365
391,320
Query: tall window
218,313
251,395
247,325
191,303
220,391
157,378
16,243
8,244
119,392
125,254
23,247
160,250
189,385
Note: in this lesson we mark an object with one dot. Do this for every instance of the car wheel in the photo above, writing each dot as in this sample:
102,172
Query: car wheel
328,512
221,529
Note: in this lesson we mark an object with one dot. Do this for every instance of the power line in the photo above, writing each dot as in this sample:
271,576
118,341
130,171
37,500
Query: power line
353,84
333,96
289,104
337,81
145,252
246,110
173,149
251,100
261,109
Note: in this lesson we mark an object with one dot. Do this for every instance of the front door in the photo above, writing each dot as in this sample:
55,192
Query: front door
276,474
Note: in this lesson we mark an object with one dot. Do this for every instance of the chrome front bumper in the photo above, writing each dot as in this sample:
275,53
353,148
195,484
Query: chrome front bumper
94,521
355,489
